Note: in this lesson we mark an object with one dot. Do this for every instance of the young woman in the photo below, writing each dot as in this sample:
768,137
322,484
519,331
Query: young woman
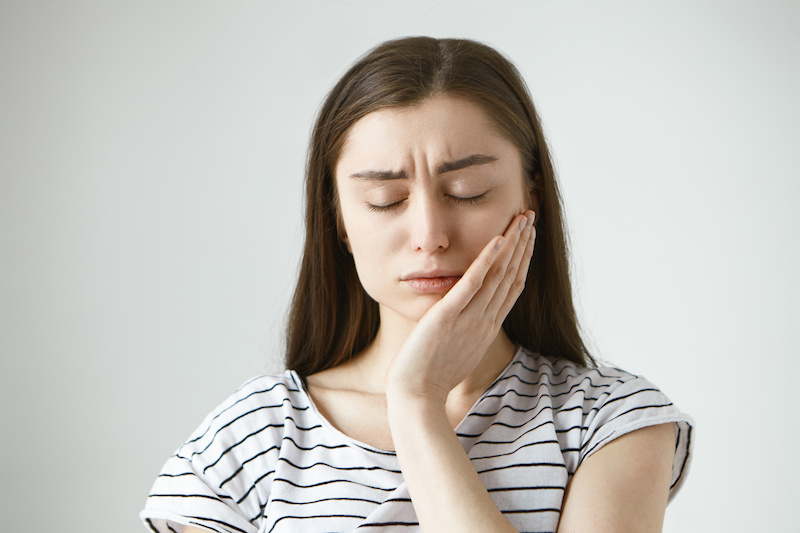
437,377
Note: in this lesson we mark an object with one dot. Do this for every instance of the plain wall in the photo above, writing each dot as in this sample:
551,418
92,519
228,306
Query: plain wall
152,155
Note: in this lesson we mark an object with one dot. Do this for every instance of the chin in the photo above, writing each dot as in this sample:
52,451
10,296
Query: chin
414,311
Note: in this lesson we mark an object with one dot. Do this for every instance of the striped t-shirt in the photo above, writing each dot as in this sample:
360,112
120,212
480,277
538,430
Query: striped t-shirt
266,460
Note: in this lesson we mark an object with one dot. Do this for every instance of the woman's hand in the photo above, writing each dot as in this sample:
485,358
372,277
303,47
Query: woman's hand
452,337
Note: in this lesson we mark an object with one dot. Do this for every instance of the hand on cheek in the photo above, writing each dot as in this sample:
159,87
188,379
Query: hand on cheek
452,337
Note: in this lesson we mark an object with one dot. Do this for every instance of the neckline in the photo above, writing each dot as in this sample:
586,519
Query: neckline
301,384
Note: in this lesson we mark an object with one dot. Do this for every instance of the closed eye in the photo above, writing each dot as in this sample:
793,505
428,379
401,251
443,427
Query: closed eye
469,199
386,207
466,200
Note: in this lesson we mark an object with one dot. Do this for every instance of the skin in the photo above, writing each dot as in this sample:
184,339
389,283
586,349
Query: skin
443,247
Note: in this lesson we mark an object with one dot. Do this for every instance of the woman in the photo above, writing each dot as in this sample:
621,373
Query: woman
438,379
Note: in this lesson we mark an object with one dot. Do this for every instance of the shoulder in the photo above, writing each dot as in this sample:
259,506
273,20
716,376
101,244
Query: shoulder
261,403
569,382
215,472
592,407
595,388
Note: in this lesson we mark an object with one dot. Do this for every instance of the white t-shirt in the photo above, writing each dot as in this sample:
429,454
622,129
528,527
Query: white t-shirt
266,461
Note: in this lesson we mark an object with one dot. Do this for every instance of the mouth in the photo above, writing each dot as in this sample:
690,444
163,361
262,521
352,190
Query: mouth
431,281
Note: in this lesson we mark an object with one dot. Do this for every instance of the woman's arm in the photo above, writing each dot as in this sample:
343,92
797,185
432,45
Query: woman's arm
447,493
623,487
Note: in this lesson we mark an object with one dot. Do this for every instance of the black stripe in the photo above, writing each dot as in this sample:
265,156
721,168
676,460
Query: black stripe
293,517
618,398
523,465
150,524
288,502
374,450
584,377
284,480
639,408
388,524
536,443
320,463
220,522
518,511
327,446
506,406
542,487
178,475
498,423
686,458
540,425
205,526
215,498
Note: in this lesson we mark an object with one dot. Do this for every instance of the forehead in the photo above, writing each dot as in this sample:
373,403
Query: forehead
439,128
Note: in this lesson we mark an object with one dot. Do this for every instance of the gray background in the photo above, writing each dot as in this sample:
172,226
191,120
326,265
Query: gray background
152,156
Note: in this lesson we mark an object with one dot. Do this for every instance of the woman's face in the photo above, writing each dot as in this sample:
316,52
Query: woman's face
422,190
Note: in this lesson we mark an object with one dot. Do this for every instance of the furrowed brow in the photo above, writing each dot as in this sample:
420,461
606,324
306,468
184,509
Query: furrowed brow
476,159
380,175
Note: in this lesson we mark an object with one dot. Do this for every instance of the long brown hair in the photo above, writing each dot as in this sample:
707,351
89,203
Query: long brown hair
332,318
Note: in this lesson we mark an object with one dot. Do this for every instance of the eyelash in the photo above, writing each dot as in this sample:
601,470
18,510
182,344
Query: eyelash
457,199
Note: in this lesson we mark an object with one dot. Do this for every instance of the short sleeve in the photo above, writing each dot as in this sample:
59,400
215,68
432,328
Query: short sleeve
220,478
183,496
634,404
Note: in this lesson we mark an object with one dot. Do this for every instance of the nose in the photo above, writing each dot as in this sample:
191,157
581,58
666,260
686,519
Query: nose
429,226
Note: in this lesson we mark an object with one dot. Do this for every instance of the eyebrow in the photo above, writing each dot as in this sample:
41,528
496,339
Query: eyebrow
475,159
380,175
448,166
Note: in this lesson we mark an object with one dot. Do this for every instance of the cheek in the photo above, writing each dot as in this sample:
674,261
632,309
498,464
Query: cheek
483,227
371,249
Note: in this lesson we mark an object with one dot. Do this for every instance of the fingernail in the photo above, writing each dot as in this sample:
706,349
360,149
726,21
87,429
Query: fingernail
499,244
523,223
532,218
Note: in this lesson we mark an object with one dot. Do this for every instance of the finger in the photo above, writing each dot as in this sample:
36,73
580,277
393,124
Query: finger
519,282
499,269
471,282
510,277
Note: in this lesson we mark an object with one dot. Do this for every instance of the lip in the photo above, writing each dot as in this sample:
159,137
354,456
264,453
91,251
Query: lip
437,273
431,281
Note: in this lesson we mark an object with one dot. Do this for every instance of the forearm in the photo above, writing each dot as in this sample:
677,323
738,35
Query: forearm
446,491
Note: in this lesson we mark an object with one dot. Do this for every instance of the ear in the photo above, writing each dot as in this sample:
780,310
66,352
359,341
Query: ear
342,234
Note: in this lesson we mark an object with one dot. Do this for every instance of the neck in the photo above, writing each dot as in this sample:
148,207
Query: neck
372,363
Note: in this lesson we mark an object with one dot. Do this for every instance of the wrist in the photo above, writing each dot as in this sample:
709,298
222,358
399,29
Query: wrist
408,406
415,395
